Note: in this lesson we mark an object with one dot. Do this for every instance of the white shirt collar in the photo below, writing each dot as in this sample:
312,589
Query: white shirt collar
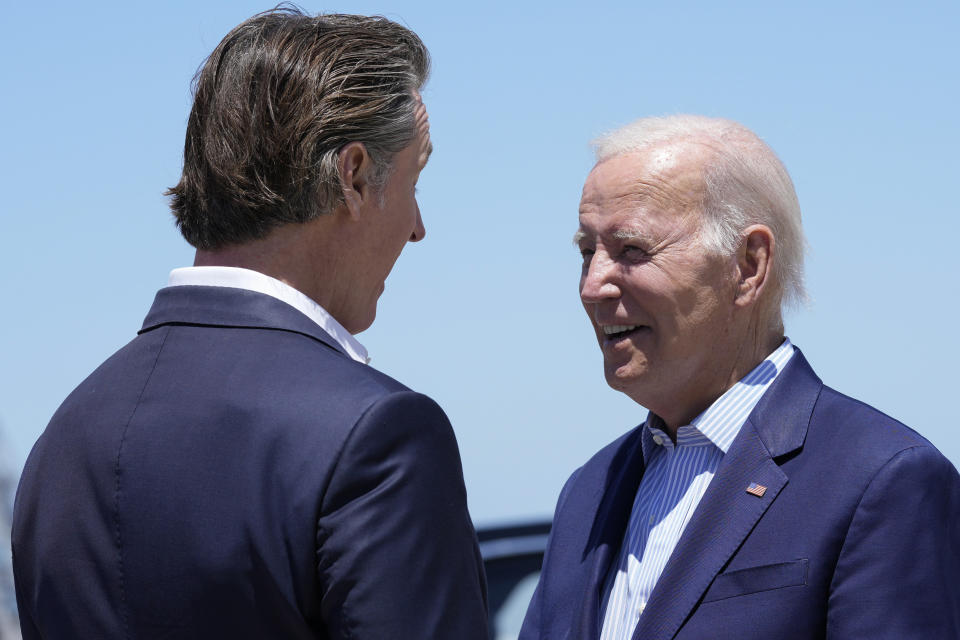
250,280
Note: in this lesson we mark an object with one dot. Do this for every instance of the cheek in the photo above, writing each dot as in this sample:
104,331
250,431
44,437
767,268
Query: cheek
653,288
402,223
709,312
704,292
409,216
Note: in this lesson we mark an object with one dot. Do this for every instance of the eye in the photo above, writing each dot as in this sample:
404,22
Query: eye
633,252
586,252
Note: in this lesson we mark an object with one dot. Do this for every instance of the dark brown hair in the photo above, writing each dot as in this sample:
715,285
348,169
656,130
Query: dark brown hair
275,103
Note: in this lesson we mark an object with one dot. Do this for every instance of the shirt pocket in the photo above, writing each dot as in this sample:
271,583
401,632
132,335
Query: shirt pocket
755,579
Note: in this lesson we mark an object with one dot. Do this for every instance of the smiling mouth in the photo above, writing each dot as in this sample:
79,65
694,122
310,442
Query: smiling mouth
614,332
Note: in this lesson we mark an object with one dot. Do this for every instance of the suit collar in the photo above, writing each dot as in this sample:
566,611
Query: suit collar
783,414
727,513
230,307
252,280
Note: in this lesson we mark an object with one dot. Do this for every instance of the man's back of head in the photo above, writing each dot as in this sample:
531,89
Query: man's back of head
274,105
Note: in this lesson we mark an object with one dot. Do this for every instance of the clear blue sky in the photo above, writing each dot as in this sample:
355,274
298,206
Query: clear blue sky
859,100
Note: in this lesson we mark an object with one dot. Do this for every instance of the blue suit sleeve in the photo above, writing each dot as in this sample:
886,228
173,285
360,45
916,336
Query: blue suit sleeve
397,554
898,574
532,621
28,628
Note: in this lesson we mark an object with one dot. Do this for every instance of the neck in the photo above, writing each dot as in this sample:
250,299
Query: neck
292,254
742,359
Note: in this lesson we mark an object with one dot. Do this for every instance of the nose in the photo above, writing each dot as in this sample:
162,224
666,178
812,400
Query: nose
597,279
418,229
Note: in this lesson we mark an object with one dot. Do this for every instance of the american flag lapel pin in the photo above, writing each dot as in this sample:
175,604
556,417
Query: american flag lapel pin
756,489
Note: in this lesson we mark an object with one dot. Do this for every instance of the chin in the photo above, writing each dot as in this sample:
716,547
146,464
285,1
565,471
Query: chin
626,366
363,325
360,322
630,379
620,378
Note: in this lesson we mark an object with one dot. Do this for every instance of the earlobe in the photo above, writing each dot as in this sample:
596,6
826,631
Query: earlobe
353,163
754,262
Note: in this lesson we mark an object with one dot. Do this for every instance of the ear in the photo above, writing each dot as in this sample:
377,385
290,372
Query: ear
754,263
354,164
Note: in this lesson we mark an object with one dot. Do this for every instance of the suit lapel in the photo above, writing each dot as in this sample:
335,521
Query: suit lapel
609,525
588,620
723,519
727,513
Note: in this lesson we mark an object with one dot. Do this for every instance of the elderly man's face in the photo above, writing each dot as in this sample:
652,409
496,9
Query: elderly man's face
660,304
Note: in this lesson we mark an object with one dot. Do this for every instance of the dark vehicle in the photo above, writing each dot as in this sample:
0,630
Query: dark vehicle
512,557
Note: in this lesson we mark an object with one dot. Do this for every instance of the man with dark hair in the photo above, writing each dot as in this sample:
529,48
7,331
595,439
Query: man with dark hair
238,470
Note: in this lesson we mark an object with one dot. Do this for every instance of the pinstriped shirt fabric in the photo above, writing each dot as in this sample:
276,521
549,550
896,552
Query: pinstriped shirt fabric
674,481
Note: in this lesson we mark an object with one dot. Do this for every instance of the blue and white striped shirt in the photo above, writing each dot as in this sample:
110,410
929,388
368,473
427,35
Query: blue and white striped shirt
674,481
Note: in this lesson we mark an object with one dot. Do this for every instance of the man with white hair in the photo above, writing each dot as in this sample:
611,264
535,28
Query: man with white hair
753,502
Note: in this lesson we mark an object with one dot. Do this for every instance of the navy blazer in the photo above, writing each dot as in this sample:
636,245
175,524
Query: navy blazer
232,473
857,535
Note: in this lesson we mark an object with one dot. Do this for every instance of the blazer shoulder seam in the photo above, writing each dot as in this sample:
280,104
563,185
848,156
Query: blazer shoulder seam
869,484
124,609
863,405
387,394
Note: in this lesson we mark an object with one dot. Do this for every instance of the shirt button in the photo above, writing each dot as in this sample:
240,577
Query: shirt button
658,439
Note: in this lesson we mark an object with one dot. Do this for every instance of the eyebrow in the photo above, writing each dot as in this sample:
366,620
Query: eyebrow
629,234
619,234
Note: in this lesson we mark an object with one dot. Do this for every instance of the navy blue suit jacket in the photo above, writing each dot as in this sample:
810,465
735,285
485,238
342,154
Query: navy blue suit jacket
231,473
856,537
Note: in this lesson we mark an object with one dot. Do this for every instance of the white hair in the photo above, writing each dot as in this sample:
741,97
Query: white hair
745,184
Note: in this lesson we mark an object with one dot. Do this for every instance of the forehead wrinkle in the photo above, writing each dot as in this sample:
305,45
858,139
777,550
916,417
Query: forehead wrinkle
669,177
665,193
